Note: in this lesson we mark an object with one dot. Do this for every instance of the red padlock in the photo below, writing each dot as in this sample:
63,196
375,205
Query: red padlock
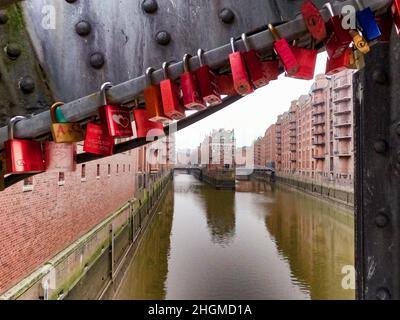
254,65
284,51
385,23
22,156
116,120
190,87
271,69
307,59
225,85
241,80
314,21
396,14
153,100
145,127
207,83
97,142
2,170
335,65
60,157
173,108
339,39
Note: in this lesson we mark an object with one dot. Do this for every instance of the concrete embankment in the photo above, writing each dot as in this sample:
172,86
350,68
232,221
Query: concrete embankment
334,193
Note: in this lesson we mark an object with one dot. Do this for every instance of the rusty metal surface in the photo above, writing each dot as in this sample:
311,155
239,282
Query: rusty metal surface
378,174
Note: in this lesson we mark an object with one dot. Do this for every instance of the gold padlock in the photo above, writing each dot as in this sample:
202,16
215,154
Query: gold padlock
357,60
359,42
64,132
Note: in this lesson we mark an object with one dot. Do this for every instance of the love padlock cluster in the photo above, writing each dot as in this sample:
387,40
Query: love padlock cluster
347,43
202,88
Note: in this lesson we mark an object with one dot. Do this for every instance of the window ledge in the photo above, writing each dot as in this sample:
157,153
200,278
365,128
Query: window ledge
27,189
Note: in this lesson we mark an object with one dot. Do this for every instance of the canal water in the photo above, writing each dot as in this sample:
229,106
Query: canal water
256,243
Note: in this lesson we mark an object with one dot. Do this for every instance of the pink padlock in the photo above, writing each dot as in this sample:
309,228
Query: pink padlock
60,157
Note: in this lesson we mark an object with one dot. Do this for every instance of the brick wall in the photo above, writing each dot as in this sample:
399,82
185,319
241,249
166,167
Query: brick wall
37,224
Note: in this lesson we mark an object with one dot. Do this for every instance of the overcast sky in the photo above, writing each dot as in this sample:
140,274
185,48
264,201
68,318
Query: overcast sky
252,115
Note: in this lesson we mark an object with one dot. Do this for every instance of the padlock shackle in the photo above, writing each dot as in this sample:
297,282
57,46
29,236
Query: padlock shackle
274,32
330,8
53,110
103,91
233,44
246,42
186,62
165,67
200,54
11,125
149,72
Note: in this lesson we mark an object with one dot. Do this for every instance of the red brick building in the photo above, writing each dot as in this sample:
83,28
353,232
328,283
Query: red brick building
314,138
45,214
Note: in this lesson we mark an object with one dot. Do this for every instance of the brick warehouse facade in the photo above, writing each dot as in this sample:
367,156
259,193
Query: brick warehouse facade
314,138
42,216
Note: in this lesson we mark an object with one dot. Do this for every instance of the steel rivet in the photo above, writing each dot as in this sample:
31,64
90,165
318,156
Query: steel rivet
398,129
381,220
227,16
3,18
97,60
83,28
149,6
163,38
13,51
379,76
380,146
27,84
383,294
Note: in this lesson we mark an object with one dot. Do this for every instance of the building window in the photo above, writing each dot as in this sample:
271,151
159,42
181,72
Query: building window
98,172
129,168
83,173
124,168
117,168
109,170
61,179
28,184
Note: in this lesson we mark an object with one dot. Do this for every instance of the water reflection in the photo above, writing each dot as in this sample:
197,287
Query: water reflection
316,239
265,243
220,213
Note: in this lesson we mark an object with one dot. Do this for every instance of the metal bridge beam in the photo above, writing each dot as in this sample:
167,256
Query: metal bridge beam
86,107
377,189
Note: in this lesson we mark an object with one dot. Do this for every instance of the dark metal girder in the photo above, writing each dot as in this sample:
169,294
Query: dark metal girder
377,130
